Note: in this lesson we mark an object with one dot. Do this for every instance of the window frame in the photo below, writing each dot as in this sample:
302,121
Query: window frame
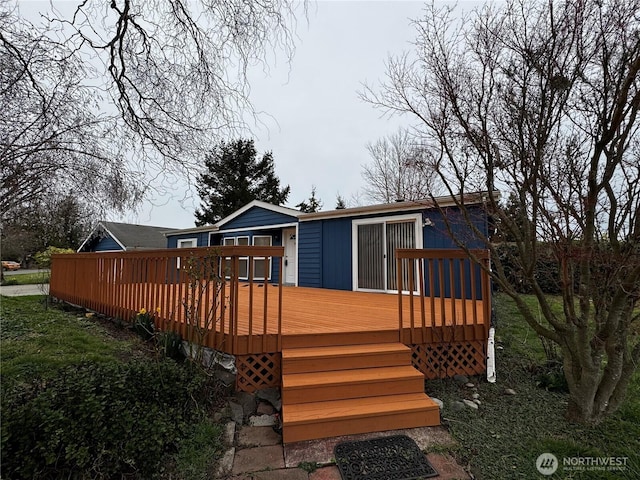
179,245
267,266
241,260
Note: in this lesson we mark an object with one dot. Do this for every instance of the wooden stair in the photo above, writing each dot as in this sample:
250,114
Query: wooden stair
346,389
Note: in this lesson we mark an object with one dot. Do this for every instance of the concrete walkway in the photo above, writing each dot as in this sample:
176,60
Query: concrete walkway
23,290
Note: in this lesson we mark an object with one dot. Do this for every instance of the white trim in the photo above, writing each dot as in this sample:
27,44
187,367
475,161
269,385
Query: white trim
114,237
263,227
416,217
269,266
257,203
270,237
100,224
242,236
181,240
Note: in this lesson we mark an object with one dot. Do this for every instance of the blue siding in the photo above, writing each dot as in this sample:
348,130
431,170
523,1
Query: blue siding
107,244
258,217
337,254
309,254
437,235
203,239
325,249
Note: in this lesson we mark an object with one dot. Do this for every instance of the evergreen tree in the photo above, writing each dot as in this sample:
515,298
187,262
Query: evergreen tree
314,204
235,177
341,204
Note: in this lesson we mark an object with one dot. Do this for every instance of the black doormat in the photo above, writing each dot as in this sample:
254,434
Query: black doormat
388,458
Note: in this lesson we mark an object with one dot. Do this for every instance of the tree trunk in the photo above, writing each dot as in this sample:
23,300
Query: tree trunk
594,393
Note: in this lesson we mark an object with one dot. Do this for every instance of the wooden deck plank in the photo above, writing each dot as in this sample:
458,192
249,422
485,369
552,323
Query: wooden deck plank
370,375
315,310
304,413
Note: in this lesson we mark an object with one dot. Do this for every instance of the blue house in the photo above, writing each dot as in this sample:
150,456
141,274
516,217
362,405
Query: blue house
346,249
121,237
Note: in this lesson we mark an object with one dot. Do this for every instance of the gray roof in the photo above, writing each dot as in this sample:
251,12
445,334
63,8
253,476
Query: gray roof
137,236
130,236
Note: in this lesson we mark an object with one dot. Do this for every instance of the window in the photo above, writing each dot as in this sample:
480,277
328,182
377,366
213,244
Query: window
186,243
261,266
243,262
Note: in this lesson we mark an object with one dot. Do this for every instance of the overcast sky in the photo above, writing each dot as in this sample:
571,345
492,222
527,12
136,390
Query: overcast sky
314,123
319,127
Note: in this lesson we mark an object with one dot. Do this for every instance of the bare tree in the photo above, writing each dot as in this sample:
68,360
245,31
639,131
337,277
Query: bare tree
51,136
541,99
400,170
126,89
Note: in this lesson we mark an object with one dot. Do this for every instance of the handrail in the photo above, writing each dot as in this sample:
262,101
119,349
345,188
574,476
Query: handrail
452,290
196,291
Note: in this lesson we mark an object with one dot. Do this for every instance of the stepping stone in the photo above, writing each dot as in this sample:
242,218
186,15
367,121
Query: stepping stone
288,474
258,437
258,458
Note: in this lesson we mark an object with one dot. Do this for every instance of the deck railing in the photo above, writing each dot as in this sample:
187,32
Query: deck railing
443,284
194,292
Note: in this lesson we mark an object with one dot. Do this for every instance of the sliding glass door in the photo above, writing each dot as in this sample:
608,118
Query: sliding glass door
374,250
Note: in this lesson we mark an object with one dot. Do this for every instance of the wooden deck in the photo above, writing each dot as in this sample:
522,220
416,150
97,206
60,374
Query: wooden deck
317,312
346,362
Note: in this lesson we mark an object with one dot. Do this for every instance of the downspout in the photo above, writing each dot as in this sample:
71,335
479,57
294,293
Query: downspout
491,356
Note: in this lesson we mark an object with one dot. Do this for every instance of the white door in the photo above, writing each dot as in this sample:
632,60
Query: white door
289,241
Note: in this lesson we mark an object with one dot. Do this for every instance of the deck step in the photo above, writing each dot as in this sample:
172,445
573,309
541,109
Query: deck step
344,357
342,389
344,384
308,421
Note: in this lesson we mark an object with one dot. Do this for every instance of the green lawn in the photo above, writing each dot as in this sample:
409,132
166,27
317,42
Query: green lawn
506,435
27,278
38,341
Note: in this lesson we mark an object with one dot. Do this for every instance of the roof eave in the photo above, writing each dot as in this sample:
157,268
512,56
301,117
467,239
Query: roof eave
443,201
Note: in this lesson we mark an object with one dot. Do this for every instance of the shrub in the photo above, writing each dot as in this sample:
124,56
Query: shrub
43,259
99,420
547,270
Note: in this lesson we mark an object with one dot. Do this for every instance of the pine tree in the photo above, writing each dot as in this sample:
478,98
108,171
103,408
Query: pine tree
314,204
235,177
341,203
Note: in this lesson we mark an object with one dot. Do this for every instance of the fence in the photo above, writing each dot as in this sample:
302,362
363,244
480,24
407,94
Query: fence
446,285
194,292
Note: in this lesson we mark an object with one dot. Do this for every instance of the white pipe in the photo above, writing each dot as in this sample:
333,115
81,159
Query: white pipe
491,356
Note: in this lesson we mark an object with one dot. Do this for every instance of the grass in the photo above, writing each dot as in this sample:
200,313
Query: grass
37,342
193,460
27,278
506,435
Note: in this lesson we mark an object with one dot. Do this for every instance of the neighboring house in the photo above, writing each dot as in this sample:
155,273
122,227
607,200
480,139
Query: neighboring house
117,237
346,249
